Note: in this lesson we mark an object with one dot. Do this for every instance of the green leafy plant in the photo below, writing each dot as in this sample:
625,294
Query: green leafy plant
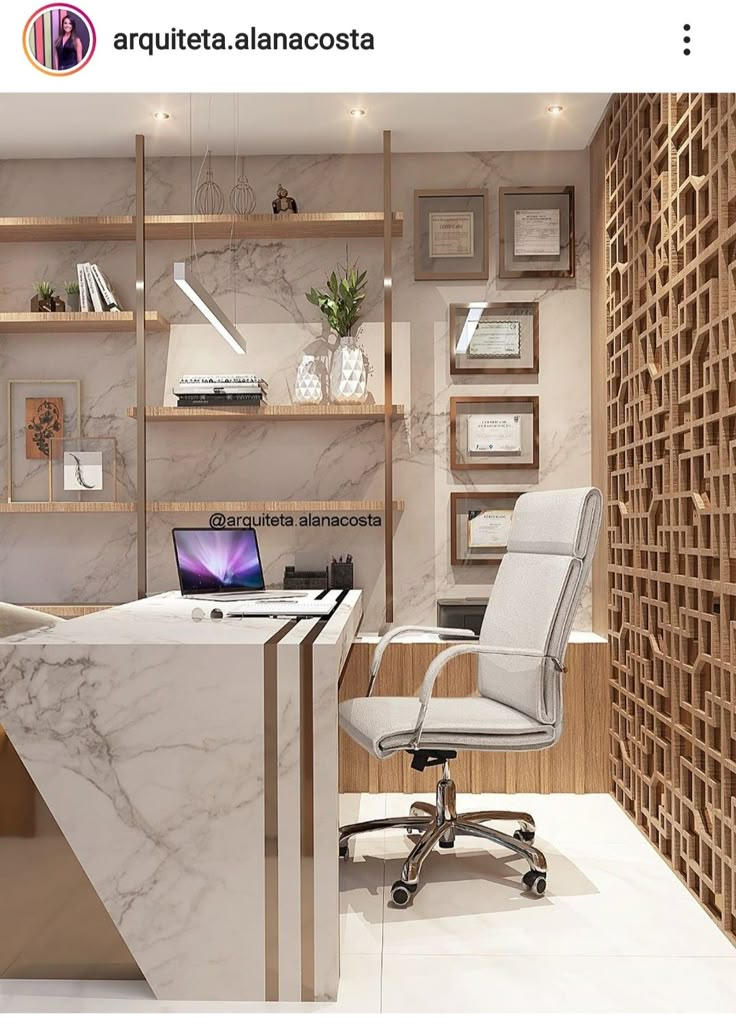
71,287
44,289
341,304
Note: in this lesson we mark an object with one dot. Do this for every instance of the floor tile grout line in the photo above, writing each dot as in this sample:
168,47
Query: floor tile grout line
671,957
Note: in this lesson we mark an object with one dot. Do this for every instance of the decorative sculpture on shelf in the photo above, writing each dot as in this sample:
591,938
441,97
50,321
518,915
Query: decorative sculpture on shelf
284,203
209,199
309,387
242,194
341,307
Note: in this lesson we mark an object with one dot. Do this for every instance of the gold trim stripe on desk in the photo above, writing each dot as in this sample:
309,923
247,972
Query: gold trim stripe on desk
306,745
271,812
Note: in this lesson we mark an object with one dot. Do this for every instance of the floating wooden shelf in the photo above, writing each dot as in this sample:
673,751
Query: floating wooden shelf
163,227
66,229
69,611
295,412
67,507
356,505
271,226
46,508
76,323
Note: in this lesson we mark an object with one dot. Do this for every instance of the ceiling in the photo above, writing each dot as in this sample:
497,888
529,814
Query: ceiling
99,125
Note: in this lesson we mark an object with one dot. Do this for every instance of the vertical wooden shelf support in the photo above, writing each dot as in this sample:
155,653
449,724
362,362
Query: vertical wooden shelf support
140,359
388,435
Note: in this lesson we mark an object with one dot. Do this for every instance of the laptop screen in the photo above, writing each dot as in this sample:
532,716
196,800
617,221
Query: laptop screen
218,560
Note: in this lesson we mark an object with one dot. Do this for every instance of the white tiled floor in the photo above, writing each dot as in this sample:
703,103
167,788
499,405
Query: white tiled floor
616,930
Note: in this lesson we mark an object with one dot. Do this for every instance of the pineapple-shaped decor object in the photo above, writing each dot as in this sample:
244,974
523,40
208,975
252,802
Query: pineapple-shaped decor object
309,384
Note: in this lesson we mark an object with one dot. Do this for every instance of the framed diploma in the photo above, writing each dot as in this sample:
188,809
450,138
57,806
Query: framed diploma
451,235
536,232
490,432
494,338
500,433
500,339
488,528
480,522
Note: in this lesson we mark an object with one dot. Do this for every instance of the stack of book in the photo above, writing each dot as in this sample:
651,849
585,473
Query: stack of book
96,294
204,391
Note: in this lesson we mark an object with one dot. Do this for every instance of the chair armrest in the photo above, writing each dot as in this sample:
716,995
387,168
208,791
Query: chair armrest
440,661
391,635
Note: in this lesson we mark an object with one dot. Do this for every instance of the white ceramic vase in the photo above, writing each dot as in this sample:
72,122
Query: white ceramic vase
308,387
348,373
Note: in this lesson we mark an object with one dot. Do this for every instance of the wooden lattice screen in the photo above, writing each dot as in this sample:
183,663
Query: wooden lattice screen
671,339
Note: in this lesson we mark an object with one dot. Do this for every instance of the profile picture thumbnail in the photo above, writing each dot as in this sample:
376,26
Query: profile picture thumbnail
59,40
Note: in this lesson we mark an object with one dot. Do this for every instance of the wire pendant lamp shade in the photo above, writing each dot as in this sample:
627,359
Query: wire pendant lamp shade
209,198
242,196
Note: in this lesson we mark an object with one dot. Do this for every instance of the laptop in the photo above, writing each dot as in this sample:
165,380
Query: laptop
222,565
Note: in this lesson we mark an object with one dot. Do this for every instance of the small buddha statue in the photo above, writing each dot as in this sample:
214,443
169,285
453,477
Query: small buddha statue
284,203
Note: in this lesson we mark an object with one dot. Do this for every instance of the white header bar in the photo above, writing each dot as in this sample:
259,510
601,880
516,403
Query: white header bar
404,46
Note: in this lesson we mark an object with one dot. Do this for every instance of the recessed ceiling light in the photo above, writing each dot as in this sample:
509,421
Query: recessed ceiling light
357,112
161,115
555,109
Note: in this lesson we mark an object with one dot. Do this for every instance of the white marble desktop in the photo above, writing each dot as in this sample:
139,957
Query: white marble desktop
144,732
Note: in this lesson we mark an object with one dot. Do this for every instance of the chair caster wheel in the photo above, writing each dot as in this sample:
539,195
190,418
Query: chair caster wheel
535,881
402,893
344,852
527,835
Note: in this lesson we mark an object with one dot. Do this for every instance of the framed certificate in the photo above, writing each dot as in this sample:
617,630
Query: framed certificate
488,528
491,432
536,231
494,338
451,235
494,433
500,339
480,522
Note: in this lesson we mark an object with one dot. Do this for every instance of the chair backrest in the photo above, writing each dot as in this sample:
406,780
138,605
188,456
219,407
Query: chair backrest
536,595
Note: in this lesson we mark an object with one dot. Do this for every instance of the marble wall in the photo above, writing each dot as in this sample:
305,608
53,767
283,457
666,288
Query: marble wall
261,285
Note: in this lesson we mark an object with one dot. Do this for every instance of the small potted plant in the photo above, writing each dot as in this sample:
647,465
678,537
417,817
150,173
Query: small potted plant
72,296
341,305
46,300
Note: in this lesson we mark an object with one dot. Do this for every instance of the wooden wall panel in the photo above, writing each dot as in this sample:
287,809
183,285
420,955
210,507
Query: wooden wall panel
598,411
577,764
670,181
17,793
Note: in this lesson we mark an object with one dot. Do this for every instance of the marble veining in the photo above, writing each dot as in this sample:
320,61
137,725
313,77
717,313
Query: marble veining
262,285
144,732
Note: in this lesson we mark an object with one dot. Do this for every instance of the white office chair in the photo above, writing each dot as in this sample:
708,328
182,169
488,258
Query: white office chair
518,706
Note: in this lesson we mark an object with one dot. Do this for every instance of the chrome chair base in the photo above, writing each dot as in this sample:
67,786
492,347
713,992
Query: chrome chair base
441,824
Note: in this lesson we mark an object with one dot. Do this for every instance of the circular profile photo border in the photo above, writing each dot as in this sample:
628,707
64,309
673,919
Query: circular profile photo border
71,9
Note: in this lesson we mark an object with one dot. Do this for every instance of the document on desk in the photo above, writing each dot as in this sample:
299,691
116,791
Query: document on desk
315,603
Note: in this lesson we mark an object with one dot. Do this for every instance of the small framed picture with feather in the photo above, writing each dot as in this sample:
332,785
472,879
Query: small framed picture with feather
83,470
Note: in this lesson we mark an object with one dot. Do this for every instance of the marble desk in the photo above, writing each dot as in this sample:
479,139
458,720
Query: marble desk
193,768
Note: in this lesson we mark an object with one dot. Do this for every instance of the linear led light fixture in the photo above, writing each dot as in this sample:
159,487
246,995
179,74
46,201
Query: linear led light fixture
206,305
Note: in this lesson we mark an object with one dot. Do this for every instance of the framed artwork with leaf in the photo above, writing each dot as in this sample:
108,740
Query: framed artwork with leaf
38,413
